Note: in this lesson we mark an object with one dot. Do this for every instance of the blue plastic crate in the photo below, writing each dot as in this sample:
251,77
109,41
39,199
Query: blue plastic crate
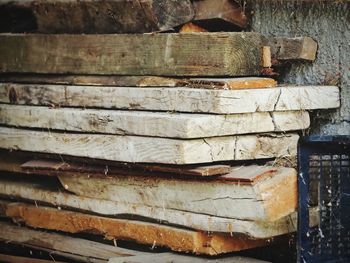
324,183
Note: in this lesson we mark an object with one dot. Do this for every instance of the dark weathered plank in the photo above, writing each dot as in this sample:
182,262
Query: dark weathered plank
205,54
227,10
110,16
16,259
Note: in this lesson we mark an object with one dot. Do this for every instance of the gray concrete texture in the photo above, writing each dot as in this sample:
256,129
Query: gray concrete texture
328,23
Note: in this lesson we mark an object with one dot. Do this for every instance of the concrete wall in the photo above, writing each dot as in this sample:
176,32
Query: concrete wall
329,24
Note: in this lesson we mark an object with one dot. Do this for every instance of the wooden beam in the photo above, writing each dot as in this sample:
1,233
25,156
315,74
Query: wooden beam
269,199
158,124
77,17
205,54
36,192
141,81
30,163
298,48
151,149
58,243
174,99
176,239
226,10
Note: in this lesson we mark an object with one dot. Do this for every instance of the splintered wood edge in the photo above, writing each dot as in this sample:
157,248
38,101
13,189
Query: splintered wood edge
141,232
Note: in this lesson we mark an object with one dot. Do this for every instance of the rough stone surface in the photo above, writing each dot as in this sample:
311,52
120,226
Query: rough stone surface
329,24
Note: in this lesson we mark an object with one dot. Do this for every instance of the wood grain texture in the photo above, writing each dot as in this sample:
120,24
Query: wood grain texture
298,48
174,99
176,239
268,200
16,259
36,192
90,250
151,149
226,10
158,124
140,81
197,54
32,163
99,17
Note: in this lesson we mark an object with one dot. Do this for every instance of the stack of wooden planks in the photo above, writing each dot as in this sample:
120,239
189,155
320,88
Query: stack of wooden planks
160,139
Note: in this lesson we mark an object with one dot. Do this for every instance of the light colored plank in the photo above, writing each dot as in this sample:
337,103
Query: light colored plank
174,99
94,251
176,239
109,16
38,193
226,10
232,83
158,124
168,54
269,199
150,149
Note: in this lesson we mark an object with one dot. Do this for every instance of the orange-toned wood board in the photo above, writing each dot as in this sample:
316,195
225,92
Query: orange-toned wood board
33,190
152,234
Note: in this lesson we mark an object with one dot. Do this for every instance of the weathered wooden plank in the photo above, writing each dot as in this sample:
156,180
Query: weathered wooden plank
298,48
16,259
152,234
90,250
39,193
140,81
174,99
269,199
205,54
158,124
29,163
151,149
226,10
99,17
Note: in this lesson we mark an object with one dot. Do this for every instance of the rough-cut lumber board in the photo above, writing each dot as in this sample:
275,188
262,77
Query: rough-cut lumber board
141,81
226,10
158,124
16,259
100,17
39,193
203,54
151,149
176,239
269,199
298,48
23,162
174,99
89,250
176,258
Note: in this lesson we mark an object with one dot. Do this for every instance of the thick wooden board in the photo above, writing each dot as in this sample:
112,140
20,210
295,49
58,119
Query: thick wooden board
39,193
140,81
157,124
100,17
226,10
151,149
58,243
270,199
152,234
174,99
30,163
203,54
298,48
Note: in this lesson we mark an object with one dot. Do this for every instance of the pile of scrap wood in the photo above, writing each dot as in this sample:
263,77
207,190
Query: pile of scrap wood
159,139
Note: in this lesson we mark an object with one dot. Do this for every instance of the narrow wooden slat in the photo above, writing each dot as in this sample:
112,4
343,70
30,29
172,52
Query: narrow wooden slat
166,125
205,54
151,149
142,232
39,193
94,251
111,16
16,259
174,99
